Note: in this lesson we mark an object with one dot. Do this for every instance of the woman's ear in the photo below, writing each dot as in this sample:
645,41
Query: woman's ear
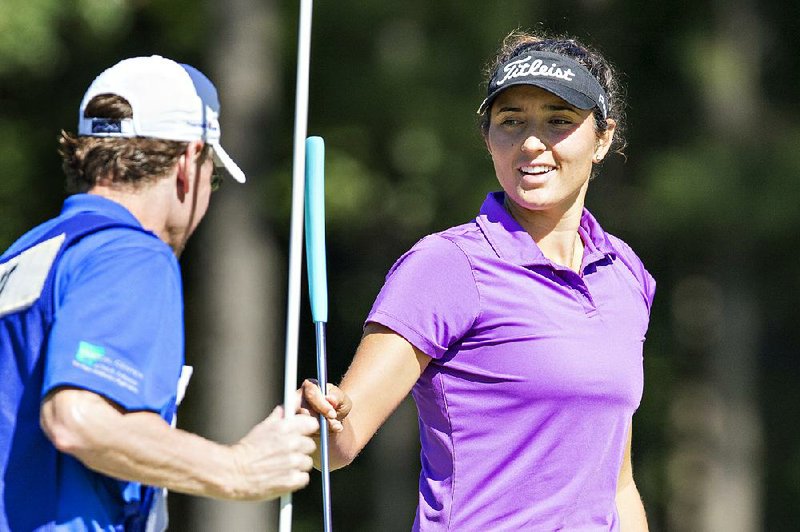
604,141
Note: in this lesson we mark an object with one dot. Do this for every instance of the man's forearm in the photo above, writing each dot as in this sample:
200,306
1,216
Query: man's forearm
137,446
140,446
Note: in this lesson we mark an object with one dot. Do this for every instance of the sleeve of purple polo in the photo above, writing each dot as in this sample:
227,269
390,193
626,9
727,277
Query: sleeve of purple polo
646,281
430,297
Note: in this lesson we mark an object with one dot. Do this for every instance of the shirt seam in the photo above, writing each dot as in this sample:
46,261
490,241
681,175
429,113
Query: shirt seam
442,379
478,314
452,446
621,255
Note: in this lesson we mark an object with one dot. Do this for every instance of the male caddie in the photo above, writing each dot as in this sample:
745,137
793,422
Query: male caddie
91,323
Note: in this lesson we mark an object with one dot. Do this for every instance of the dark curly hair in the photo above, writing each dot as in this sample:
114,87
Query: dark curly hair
125,161
519,42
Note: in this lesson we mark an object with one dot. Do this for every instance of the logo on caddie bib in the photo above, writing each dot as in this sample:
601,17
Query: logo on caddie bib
89,354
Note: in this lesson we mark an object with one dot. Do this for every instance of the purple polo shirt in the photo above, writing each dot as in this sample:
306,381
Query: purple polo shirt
536,372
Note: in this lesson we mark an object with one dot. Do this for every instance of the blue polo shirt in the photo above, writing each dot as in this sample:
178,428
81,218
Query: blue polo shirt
536,371
114,319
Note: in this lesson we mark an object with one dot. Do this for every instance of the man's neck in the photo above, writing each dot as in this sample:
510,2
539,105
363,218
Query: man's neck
147,204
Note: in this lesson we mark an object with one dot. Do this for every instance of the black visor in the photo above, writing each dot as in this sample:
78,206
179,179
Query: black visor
555,73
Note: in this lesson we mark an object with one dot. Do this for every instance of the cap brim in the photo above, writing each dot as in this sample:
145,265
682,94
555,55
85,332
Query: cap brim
221,158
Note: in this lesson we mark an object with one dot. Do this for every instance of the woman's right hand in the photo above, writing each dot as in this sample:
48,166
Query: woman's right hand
335,405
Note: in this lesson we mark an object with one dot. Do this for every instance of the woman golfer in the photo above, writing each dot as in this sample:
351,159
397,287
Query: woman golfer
520,333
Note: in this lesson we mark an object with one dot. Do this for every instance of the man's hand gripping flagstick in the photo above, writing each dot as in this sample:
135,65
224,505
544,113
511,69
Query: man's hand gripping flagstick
318,292
296,231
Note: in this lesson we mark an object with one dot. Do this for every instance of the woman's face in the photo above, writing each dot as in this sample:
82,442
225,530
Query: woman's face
543,149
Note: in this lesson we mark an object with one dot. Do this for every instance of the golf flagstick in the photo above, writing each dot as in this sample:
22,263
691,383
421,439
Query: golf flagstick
296,232
318,292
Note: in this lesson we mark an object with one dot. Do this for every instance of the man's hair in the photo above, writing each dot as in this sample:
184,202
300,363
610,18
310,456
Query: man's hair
130,162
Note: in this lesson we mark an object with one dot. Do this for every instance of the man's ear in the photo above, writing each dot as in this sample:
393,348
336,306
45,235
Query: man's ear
187,168
182,178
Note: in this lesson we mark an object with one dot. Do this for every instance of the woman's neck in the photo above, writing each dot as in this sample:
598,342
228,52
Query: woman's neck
556,233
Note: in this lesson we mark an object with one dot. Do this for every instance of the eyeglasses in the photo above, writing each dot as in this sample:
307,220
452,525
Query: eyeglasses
216,179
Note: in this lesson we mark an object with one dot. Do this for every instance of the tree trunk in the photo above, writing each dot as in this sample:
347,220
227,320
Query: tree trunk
242,314
715,469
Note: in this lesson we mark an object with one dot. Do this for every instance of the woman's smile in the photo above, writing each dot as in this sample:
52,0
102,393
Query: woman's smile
542,149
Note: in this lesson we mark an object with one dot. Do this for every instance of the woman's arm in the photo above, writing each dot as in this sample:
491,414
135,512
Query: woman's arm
629,504
384,369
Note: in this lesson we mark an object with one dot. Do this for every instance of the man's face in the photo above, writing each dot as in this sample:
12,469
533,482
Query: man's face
199,174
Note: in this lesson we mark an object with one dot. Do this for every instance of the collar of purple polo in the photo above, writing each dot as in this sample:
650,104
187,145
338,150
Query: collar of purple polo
511,242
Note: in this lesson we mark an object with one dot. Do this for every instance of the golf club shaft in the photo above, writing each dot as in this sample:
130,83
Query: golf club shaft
322,376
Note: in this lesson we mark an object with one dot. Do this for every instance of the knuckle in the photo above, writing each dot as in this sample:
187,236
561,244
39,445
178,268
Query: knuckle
295,461
301,479
308,445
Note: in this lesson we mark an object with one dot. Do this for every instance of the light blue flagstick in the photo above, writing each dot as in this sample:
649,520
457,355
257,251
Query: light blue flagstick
296,232
318,291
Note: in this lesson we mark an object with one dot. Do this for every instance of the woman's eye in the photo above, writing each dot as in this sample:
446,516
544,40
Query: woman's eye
561,121
511,122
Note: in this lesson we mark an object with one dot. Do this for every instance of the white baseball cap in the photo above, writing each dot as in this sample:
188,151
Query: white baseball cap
170,101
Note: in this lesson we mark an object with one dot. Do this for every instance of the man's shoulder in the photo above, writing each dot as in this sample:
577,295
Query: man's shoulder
119,247
78,224
117,252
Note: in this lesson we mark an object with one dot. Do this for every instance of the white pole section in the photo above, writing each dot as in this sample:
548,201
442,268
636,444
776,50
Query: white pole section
296,232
